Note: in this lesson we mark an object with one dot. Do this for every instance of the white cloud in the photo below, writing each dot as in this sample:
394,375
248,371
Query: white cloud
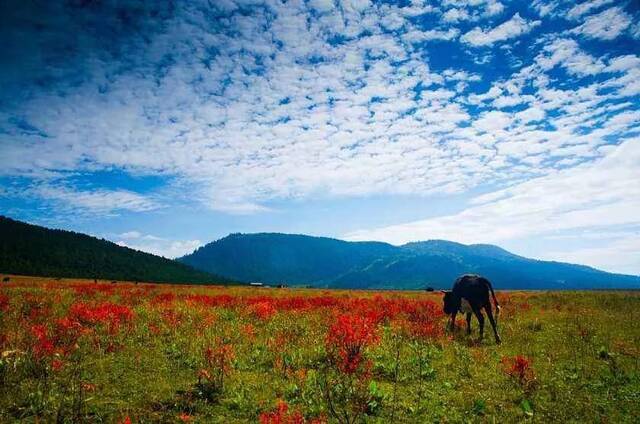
530,115
621,254
594,195
544,7
606,25
623,63
581,9
417,36
322,5
493,121
131,235
293,104
96,201
455,15
635,31
494,8
567,53
471,11
157,245
512,28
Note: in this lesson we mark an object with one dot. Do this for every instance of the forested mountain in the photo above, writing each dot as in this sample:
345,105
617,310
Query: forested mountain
326,262
293,259
33,250
273,258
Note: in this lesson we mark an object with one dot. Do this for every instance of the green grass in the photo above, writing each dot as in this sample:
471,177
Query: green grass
583,347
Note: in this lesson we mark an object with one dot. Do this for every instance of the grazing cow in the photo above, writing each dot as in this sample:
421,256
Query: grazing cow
470,293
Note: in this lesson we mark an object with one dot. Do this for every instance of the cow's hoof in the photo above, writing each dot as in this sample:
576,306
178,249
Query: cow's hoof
498,341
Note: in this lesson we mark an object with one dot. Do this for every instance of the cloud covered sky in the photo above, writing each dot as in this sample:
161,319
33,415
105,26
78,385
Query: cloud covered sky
163,125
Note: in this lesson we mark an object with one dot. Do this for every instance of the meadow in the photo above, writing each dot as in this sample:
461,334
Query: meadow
85,351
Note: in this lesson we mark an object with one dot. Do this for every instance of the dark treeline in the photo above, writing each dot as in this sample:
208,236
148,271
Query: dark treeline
27,249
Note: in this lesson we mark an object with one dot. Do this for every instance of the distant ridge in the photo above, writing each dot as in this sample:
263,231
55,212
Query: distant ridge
326,262
33,250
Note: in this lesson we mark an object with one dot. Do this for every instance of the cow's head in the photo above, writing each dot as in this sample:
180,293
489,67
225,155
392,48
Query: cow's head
451,302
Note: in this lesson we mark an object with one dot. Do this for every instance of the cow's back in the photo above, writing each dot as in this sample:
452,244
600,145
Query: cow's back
472,287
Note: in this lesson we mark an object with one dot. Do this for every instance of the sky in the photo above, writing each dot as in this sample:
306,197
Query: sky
165,125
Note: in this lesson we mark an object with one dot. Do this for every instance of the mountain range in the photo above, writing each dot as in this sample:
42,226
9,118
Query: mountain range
325,262
27,249
296,260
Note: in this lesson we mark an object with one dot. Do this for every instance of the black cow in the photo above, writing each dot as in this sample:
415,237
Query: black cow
470,293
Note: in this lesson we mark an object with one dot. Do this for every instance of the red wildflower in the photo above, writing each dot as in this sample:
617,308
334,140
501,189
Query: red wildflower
249,331
88,387
185,418
67,332
163,298
84,290
425,317
281,415
217,367
109,314
43,345
4,302
203,374
263,310
519,368
172,318
347,339
35,307
223,300
57,364
220,358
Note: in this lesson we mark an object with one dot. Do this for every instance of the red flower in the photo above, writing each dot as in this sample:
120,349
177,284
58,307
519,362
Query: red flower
204,374
43,345
220,358
263,310
519,368
164,298
57,364
88,387
4,302
109,314
172,318
249,331
347,339
281,415
185,418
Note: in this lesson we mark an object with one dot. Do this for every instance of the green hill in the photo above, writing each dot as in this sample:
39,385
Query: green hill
275,258
326,262
33,250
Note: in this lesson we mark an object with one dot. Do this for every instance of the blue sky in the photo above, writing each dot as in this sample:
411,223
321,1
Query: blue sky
165,126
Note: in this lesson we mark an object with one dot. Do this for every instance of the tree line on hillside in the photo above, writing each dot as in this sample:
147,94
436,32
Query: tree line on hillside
27,249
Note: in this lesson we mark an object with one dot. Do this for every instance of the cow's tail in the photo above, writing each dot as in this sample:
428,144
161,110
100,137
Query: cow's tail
495,300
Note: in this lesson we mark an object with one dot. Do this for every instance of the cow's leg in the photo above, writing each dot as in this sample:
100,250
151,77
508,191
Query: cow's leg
493,322
468,322
452,324
478,314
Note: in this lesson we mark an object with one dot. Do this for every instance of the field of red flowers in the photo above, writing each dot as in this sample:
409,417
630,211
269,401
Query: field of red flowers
74,351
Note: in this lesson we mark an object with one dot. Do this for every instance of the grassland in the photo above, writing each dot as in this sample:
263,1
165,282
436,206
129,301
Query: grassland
81,351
